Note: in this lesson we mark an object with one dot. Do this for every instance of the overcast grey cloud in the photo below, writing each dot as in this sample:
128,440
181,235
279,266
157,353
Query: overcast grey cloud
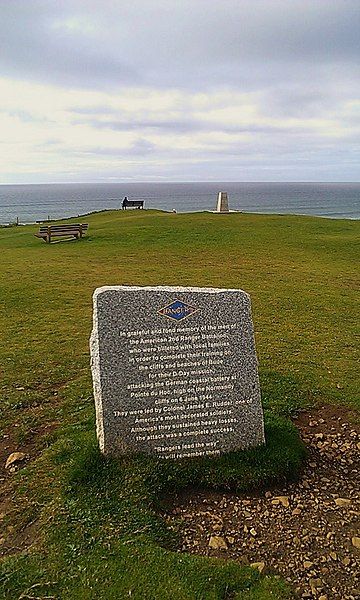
191,82
186,42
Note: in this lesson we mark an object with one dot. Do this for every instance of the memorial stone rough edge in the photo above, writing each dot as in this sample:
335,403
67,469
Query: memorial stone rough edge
174,371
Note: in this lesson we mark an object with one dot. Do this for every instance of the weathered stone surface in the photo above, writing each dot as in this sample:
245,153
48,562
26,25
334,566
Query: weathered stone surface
342,502
284,500
217,543
175,371
15,457
260,566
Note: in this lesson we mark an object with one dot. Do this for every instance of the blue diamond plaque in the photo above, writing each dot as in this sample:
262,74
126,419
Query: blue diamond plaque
177,310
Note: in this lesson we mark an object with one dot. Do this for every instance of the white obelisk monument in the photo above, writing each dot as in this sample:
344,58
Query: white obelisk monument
222,203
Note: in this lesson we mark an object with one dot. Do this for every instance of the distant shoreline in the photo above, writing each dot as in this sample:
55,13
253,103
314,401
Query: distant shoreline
232,212
34,202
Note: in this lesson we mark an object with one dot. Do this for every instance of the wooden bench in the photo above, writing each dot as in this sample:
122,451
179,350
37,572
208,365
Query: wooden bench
47,232
136,203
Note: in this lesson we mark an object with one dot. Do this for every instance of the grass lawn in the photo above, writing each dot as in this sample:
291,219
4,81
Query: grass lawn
101,536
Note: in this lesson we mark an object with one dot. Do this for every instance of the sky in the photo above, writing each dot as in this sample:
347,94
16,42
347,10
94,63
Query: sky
179,90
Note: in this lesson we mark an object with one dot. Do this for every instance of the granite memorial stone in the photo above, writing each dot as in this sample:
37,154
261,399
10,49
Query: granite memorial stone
175,371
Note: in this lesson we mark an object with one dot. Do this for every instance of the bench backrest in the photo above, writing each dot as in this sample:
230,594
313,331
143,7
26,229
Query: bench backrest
62,228
133,202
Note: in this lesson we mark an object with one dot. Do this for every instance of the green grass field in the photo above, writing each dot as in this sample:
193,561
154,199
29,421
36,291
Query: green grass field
95,522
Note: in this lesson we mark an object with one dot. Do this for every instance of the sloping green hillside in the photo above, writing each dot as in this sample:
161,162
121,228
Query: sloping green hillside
94,523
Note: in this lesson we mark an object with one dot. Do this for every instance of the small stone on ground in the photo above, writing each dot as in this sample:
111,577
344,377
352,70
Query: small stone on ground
14,458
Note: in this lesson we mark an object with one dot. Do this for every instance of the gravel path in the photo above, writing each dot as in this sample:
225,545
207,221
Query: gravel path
306,532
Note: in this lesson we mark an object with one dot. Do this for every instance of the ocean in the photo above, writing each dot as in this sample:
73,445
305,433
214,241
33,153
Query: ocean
30,203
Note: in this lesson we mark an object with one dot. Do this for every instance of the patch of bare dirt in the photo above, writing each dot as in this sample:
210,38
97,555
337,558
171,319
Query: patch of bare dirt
307,532
30,447
11,539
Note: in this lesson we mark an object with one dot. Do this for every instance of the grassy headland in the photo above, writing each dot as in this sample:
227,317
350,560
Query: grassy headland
301,273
